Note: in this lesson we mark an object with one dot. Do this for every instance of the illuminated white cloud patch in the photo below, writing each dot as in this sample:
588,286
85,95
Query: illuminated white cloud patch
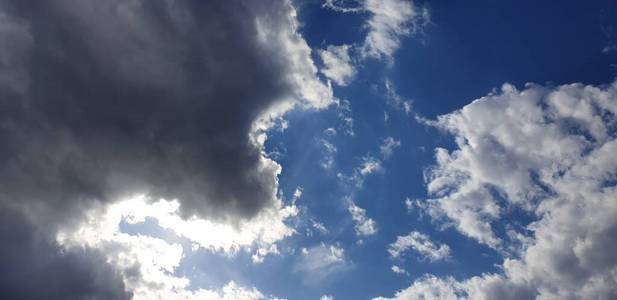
363,225
329,152
337,64
320,262
389,21
326,297
398,270
320,227
148,263
388,146
343,5
428,288
547,151
368,165
420,243
395,100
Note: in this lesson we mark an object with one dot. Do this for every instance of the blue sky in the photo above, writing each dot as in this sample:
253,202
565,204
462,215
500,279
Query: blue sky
462,54
396,148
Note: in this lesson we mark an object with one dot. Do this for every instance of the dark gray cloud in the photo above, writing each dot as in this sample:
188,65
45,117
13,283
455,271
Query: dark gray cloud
33,267
100,100
144,96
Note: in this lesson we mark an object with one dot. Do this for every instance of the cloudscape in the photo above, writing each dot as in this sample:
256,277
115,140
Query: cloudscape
308,149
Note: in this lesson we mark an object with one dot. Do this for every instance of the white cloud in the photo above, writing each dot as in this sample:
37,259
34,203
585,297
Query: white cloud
420,243
326,297
551,152
287,42
337,64
320,262
155,259
395,100
429,288
296,195
364,226
344,113
343,6
398,270
320,227
329,151
369,166
262,252
388,146
390,20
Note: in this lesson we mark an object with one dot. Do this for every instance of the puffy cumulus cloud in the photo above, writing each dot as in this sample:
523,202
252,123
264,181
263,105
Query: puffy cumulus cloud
326,297
549,151
364,226
389,21
420,243
103,100
337,64
320,262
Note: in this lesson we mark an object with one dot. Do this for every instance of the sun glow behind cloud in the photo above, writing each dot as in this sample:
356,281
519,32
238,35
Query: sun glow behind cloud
148,263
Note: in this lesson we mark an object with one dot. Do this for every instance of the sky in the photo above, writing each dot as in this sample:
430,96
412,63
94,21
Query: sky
308,149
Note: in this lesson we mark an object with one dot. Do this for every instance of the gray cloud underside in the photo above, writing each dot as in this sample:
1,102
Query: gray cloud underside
33,267
103,99
147,96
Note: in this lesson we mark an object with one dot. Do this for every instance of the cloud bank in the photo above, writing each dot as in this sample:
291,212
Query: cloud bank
103,100
548,152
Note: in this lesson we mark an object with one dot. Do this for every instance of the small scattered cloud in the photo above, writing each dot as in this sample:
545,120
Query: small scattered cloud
364,226
395,100
388,146
388,22
369,166
320,227
262,252
338,65
420,243
609,48
398,270
329,151
344,6
321,261
391,20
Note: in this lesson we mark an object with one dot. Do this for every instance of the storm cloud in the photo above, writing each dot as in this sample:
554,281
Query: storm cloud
143,96
103,100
